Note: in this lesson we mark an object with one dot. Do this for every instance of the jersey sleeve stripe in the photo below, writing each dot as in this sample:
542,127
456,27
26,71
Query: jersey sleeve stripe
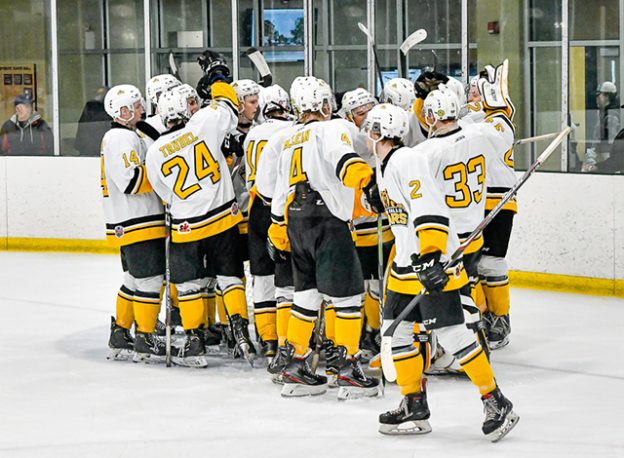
435,220
344,163
132,186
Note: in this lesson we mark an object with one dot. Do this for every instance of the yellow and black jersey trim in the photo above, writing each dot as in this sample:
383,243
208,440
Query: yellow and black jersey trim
474,246
243,226
495,195
500,115
278,219
405,281
432,232
366,233
353,172
135,230
222,91
212,223
139,183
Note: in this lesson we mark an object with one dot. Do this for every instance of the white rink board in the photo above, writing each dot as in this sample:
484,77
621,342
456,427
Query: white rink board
61,398
570,224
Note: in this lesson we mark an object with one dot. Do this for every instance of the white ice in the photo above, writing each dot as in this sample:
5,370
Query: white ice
59,397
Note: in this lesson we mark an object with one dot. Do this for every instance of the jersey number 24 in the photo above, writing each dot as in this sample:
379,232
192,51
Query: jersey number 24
205,166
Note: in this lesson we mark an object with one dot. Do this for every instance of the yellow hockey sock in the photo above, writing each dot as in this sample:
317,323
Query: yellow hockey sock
478,296
220,307
235,301
146,308
348,329
191,310
174,295
299,333
204,296
371,310
409,368
265,317
330,321
124,313
478,369
281,322
209,302
497,295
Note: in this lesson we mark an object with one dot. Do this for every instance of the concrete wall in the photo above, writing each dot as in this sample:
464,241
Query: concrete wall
568,224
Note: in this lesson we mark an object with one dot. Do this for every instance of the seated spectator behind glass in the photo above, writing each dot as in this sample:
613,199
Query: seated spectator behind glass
606,127
26,133
92,125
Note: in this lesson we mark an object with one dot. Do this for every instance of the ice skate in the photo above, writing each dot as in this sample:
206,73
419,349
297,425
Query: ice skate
332,364
299,380
148,349
193,354
212,340
161,329
351,381
240,333
270,348
411,417
443,363
120,343
370,345
499,415
498,329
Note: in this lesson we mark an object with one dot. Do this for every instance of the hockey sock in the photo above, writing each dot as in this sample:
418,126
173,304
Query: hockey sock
478,296
124,314
191,310
477,367
146,307
281,321
209,302
496,290
300,328
174,295
235,301
204,296
348,329
371,309
265,317
330,322
220,306
409,367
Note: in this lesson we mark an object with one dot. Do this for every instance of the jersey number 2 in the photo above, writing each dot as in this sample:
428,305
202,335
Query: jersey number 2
205,166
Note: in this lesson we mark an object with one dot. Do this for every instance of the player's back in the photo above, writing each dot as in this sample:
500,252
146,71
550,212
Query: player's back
254,144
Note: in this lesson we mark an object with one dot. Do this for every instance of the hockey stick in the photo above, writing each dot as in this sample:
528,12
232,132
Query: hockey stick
369,36
416,37
167,286
387,362
537,138
319,328
258,60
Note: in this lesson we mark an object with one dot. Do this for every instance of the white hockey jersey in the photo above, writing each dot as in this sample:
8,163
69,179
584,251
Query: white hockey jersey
418,216
188,170
133,212
415,134
322,154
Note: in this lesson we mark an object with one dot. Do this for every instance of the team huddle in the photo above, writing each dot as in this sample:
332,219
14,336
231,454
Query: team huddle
336,207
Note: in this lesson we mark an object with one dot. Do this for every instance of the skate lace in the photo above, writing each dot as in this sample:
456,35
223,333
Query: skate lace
403,408
499,324
491,409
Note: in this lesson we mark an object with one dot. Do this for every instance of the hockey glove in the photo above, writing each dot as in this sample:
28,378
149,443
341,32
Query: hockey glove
371,194
277,243
427,82
430,271
215,69
233,144
494,88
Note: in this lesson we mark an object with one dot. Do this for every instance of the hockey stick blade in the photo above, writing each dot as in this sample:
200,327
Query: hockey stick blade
258,60
416,37
364,29
386,350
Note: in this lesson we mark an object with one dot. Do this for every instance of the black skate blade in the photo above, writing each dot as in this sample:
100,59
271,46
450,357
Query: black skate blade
511,421
414,427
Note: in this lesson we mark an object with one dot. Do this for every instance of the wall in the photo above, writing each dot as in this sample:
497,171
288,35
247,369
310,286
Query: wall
568,224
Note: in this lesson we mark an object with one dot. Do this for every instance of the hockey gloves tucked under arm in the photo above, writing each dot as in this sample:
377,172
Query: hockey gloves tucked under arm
427,82
430,271
371,193
277,243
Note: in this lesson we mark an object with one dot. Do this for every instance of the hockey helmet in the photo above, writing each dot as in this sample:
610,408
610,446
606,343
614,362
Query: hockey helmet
172,106
399,92
158,84
387,120
274,98
357,98
122,95
245,88
441,104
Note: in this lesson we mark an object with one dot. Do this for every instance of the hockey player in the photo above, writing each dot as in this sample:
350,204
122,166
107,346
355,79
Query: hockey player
425,238
193,100
318,174
188,172
356,104
277,113
134,222
400,92
154,87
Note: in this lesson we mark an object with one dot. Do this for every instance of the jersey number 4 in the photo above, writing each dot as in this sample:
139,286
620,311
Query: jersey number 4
459,173
296,168
205,166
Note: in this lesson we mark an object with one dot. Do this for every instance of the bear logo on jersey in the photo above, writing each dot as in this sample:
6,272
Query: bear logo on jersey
119,231
396,212
184,228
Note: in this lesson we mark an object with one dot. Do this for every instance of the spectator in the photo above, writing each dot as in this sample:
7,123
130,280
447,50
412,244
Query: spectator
26,133
605,128
92,125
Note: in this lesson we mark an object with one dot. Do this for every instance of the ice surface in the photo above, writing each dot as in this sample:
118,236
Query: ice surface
59,397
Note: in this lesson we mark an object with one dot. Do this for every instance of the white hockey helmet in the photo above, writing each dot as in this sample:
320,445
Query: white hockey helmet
173,105
442,104
357,98
245,88
159,84
310,94
387,120
122,95
188,91
274,98
458,89
399,92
